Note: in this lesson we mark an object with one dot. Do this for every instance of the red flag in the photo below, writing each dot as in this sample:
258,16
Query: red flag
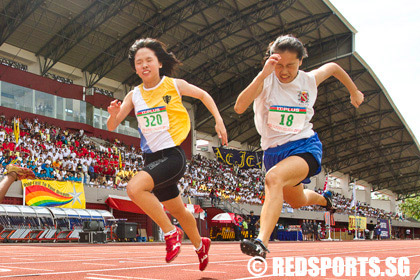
326,183
332,219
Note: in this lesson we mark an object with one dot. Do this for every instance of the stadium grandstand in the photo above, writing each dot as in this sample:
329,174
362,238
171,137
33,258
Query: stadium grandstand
63,62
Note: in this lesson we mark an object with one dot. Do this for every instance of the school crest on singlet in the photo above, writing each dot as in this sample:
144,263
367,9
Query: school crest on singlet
167,98
303,97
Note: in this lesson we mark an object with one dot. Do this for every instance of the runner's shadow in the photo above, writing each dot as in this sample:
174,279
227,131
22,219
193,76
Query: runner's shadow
207,278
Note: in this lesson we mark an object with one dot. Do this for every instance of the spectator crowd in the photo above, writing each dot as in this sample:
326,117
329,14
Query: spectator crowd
58,154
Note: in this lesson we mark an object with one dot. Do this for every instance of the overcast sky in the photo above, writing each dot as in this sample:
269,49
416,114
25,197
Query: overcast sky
388,40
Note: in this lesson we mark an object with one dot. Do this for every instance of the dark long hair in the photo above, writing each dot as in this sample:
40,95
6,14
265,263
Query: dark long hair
286,43
168,60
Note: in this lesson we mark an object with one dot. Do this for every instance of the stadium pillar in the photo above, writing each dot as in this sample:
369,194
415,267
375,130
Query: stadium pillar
346,191
368,191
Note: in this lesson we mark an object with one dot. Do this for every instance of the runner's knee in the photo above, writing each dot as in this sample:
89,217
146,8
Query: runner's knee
134,189
131,190
273,182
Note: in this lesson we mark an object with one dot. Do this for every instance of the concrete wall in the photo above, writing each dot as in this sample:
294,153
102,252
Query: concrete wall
381,204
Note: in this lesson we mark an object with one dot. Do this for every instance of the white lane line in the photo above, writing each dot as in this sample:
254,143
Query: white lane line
256,277
161,256
102,259
144,262
195,270
106,264
25,268
124,277
126,268
97,278
173,265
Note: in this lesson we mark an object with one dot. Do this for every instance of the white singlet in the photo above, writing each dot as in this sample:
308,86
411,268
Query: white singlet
283,110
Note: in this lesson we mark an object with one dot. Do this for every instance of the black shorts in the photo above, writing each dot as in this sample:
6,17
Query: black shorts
166,167
311,161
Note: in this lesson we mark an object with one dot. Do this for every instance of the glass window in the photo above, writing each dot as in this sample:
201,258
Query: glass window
68,111
37,102
43,104
82,111
76,110
89,113
105,116
96,117
60,108
16,97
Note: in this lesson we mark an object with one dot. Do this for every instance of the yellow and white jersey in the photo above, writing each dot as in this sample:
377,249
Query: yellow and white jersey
162,118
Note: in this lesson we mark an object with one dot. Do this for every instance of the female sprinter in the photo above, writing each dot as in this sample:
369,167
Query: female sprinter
163,125
283,99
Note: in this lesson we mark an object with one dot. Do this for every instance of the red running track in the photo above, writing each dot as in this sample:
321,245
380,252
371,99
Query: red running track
146,261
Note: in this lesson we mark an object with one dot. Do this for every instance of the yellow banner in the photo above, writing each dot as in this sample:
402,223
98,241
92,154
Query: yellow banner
16,129
66,194
361,223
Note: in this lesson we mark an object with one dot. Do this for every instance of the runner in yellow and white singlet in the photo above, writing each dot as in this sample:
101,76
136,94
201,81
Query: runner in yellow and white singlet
163,125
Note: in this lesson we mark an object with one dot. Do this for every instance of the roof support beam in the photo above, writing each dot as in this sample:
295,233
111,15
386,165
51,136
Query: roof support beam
370,154
384,166
365,137
230,25
225,96
77,29
391,182
358,122
154,26
14,14
223,62
203,40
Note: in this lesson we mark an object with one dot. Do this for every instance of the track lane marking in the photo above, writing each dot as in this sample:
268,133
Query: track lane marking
124,277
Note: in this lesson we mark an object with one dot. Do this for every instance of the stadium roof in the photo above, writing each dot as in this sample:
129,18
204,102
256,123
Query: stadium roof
221,44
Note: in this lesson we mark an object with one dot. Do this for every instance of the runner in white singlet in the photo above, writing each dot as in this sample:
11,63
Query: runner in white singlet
283,99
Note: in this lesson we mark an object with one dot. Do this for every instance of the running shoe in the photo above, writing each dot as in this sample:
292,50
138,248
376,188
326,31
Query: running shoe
173,244
21,172
328,197
203,253
254,248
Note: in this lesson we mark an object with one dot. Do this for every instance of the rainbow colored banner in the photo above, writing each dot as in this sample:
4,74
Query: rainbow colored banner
54,194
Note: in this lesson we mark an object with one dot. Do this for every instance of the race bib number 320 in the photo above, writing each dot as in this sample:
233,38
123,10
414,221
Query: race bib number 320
153,120
286,119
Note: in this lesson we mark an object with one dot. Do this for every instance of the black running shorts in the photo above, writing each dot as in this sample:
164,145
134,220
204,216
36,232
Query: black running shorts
166,167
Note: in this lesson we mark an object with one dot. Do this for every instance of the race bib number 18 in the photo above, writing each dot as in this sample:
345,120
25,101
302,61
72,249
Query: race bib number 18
286,119
153,120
